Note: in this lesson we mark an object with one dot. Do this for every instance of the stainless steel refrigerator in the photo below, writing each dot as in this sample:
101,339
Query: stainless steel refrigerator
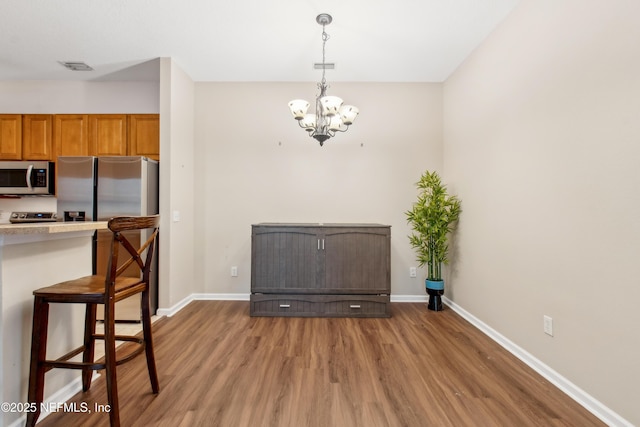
99,188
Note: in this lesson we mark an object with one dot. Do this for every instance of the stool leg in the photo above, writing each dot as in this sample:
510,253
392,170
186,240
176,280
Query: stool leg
110,362
148,341
38,355
89,344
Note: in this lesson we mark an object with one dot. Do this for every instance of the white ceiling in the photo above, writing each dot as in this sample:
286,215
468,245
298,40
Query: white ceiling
243,40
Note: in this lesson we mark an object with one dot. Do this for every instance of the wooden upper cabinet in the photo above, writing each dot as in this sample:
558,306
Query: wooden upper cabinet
144,135
47,136
107,134
71,134
10,136
37,131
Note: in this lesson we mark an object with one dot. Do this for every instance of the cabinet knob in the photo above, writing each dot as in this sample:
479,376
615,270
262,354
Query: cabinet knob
354,306
285,305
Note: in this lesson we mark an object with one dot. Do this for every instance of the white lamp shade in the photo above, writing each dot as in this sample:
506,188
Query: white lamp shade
330,105
348,114
335,122
298,108
308,122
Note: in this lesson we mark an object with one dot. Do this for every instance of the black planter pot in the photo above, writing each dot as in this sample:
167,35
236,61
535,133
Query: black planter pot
435,290
435,299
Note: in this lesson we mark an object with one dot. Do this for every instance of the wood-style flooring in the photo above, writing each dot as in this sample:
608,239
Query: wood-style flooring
220,367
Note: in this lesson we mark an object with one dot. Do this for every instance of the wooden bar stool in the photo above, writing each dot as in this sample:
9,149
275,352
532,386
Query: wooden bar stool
91,291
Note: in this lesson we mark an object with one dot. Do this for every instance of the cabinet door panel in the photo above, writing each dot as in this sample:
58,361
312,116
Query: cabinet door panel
356,260
36,137
284,260
71,134
108,135
10,137
144,135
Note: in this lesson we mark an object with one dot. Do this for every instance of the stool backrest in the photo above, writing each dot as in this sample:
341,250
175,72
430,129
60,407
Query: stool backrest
134,253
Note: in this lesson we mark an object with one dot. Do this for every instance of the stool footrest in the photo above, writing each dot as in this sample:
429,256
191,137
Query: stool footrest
63,362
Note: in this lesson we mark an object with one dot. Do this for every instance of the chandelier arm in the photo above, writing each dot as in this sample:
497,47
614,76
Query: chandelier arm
342,130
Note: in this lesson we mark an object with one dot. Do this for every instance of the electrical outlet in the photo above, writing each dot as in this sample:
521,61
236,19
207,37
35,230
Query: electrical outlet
413,272
234,271
548,325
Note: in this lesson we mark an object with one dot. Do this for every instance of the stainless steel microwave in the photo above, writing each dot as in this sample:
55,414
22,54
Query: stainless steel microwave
27,177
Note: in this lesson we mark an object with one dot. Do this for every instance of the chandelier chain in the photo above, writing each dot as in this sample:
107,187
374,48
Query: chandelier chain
325,37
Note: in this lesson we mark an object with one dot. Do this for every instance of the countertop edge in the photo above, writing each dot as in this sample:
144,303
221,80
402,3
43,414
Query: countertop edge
51,227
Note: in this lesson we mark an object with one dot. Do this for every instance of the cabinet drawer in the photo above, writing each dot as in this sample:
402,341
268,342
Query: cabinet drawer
357,306
320,305
285,305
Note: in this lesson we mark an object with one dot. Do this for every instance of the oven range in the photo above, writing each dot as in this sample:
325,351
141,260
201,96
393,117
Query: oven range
24,217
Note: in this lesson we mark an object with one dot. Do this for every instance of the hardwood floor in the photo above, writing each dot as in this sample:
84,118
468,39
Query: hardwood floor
220,367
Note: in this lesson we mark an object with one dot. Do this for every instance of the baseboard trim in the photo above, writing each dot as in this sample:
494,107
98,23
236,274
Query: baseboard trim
409,298
576,393
222,297
175,308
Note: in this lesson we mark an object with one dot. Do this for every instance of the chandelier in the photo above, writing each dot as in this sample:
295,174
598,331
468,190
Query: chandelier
330,115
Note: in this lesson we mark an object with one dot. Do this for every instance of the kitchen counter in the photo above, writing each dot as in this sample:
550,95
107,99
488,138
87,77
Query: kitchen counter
34,255
51,227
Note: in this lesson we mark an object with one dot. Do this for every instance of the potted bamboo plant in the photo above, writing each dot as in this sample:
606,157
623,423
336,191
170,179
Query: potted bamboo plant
432,218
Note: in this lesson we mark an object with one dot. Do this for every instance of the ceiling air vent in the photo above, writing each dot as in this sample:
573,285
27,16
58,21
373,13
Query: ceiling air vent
76,66
326,66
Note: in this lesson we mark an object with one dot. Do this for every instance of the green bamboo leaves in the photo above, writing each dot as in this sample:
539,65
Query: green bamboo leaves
432,218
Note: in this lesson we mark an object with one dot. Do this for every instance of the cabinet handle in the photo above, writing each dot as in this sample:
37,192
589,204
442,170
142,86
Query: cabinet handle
285,305
354,306
322,244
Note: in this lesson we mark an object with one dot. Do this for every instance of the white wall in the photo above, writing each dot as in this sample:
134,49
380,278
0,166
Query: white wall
541,142
177,188
75,97
257,165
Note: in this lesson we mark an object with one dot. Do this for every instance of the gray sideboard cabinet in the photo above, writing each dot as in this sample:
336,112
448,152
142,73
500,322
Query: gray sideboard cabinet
320,270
